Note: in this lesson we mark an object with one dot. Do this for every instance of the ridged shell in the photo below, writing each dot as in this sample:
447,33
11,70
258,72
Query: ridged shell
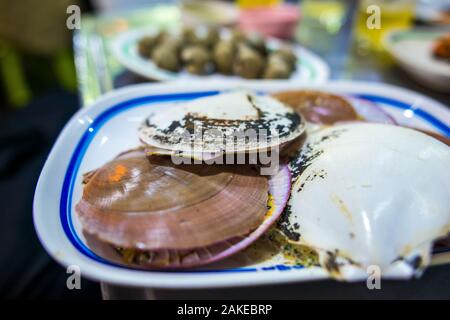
150,203
279,187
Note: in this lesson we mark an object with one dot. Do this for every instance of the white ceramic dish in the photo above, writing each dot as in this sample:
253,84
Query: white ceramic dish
311,69
413,51
97,133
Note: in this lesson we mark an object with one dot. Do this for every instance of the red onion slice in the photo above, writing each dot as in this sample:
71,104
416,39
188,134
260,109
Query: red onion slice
370,111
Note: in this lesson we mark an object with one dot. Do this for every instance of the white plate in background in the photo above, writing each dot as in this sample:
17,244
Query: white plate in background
96,134
413,51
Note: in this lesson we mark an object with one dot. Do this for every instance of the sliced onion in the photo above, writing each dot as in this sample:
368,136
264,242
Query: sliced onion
370,111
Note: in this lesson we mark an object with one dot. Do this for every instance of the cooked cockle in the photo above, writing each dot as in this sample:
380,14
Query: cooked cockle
276,68
161,36
165,56
196,58
146,46
188,35
171,41
369,197
203,36
237,36
319,107
196,69
248,62
148,43
223,55
245,55
212,36
230,122
195,54
149,212
194,36
256,42
288,55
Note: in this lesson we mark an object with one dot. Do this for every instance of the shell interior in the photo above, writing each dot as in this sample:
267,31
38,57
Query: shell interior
369,195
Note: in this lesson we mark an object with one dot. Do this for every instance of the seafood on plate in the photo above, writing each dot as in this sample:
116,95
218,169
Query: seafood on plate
232,122
441,48
354,194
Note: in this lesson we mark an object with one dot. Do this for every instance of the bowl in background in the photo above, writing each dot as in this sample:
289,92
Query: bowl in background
278,21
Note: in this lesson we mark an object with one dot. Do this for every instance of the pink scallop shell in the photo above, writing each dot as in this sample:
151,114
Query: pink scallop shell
279,188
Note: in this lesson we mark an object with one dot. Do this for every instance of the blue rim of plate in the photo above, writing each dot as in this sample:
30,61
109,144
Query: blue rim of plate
100,120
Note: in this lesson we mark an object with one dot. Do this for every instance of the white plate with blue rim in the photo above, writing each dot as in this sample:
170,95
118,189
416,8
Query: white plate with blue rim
310,69
98,133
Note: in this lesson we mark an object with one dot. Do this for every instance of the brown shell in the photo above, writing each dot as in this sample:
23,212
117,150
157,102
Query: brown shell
150,203
318,107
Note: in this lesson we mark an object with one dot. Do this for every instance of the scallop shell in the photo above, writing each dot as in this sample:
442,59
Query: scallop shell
232,122
279,186
318,107
369,195
152,204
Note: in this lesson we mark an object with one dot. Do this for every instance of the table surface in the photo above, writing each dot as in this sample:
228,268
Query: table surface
345,64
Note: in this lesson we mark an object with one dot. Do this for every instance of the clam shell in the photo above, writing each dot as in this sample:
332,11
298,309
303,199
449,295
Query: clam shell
279,187
237,121
318,107
150,203
367,195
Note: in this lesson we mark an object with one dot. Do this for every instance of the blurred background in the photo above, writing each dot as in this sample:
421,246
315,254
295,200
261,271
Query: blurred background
48,72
